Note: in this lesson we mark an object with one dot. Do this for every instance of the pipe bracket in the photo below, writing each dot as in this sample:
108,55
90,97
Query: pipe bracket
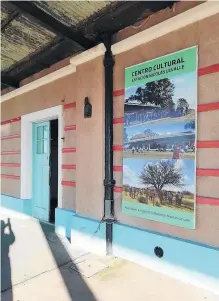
109,183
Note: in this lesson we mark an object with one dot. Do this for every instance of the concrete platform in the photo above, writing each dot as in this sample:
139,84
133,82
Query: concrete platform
42,266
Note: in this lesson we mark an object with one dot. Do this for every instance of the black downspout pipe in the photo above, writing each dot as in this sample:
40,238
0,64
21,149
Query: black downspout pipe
109,182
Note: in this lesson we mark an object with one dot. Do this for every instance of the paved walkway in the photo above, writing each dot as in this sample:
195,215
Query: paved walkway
41,266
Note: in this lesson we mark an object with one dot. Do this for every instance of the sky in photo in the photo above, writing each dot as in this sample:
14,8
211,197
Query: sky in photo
132,168
159,128
185,87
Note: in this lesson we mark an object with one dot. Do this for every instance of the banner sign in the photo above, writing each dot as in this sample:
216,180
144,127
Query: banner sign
159,167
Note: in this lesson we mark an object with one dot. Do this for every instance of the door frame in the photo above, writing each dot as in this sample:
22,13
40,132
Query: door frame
27,148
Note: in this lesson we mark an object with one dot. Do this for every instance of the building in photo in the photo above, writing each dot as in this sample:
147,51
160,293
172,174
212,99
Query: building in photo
160,139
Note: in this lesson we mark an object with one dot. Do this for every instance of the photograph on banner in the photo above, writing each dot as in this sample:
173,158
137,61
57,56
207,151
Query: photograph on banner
161,190
161,100
162,89
159,155
168,140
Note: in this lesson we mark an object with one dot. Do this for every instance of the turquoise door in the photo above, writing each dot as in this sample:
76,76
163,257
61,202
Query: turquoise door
41,170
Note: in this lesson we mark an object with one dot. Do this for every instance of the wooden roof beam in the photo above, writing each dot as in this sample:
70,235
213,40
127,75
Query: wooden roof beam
127,13
9,82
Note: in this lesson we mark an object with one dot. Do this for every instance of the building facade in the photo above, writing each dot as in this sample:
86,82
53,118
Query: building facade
32,143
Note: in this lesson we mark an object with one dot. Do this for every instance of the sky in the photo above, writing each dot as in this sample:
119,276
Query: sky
185,87
159,128
132,169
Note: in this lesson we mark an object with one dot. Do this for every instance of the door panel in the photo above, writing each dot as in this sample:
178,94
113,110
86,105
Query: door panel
41,170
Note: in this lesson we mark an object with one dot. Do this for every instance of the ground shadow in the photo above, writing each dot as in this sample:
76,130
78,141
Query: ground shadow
77,288
7,239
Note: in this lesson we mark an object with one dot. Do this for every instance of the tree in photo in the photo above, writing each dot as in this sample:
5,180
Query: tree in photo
139,94
159,93
161,174
182,104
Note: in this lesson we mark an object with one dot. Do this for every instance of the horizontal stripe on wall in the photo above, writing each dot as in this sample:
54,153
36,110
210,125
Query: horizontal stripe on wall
208,107
208,70
10,177
118,148
201,71
119,92
10,164
69,183
10,137
207,172
68,166
10,153
70,127
69,150
118,120
208,144
118,168
11,120
69,105
207,201
117,189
